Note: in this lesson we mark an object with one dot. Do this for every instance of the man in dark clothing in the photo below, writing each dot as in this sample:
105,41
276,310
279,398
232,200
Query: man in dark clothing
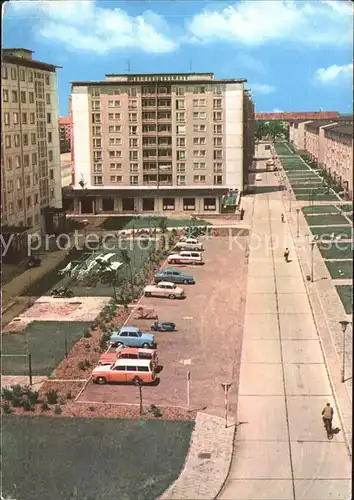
327,415
286,254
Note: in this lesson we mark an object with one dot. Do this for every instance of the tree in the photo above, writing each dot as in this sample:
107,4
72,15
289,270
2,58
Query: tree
110,274
126,260
276,129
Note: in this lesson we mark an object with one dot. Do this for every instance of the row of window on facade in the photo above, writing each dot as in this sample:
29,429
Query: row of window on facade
16,141
181,180
152,90
23,96
180,103
151,141
181,155
133,130
29,220
168,204
26,180
148,115
17,162
152,166
11,73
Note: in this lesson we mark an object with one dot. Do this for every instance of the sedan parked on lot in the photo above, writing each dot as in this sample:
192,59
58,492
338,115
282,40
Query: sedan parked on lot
136,371
174,276
131,336
189,244
164,289
185,258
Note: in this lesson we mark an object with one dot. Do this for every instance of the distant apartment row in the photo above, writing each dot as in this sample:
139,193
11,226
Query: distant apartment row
159,143
330,144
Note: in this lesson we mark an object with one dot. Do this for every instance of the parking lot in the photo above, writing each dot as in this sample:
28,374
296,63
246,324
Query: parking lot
208,341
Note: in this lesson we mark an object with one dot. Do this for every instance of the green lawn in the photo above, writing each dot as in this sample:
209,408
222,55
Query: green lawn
325,220
345,208
123,222
45,341
91,458
340,269
282,149
334,250
346,232
320,209
318,197
345,293
298,168
304,186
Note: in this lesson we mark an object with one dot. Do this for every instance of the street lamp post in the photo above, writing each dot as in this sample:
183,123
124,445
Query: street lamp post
343,324
289,193
313,242
297,222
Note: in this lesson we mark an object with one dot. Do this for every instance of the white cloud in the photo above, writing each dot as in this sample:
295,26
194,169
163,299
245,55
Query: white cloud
277,110
84,26
261,88
255,23
334,73
249,62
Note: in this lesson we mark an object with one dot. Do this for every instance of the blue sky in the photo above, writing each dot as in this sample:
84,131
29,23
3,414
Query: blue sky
295,55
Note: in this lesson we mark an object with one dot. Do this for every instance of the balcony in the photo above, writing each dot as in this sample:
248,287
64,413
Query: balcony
149,157
150,146
164,132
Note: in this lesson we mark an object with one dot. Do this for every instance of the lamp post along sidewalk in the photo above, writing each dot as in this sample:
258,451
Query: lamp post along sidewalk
226,387
313,242
344,324
297,222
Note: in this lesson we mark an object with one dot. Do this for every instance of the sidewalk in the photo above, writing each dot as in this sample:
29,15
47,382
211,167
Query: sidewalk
281,451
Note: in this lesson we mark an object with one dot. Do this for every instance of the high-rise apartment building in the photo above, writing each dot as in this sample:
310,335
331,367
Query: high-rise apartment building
159,143
65,134
30,157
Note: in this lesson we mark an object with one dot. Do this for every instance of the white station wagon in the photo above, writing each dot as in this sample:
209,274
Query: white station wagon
189,244
164,289
185,257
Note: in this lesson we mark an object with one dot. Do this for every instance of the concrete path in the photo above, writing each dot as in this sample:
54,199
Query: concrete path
281,451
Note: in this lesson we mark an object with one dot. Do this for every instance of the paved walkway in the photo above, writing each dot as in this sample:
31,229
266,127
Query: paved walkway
281,451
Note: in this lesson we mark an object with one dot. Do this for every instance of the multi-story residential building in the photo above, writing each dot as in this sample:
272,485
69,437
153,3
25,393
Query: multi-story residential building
65,125
338,155
30,159
297,134
159,143
65,165
314,136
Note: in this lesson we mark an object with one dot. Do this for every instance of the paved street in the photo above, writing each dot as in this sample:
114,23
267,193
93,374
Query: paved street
281,450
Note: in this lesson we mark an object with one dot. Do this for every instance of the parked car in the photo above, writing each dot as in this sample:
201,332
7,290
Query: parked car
131,336
185,257
165,326
174,276
189,244
123,352
137,371
164,289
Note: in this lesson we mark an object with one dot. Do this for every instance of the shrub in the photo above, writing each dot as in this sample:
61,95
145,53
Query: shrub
7,408
156,411
91,408
33,397
52,396
16,402
81,365
87,363
69,395
57,410
7,394
17,390
45,406
27,405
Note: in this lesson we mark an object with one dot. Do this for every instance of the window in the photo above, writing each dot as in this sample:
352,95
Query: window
199,103
34,158
133,117
19,204
13,73
24,118
133,142
49,137
199,140
18,161
181,142
33,138
51,174
19,183
28,202
209,204
181,180
217,129
97,180
181,167
168,203
115,166
199,128
14,96
133,130
217,103
217,141
49,118
9,163
50,155
7,141
188,203
22,75
31,97
180,117
133,104
115,178
17,140
181,155
5,95
217,116
10,186
25,139
132,92
47,79
10,208
16,117
218,89
96,130
181,129
199,178
199,153
199,115
97,167
134,180
35,183
47,98
4,73
134,167
7,118
217,179
180,91
199,165
133,155
23,97
217,154
30,77
218,167
97,143
180,104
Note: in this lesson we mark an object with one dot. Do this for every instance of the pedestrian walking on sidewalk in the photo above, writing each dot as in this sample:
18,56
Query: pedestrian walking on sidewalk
327,415
282,218
286,254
